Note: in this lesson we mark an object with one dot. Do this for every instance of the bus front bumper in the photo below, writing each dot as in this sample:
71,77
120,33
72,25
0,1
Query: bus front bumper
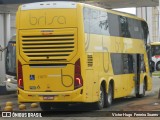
68,96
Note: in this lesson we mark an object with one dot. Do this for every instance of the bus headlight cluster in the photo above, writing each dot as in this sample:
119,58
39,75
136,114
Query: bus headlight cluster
8,80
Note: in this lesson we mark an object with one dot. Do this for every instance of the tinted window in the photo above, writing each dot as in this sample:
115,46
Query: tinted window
138,31
122,63
125,63
124,31
117,63
145,31
113,21
131,28
130,63
142,65
103,23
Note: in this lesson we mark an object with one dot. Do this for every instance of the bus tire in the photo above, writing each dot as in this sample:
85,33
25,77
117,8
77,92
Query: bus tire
109,96
100,104
158,66
45,106
60,105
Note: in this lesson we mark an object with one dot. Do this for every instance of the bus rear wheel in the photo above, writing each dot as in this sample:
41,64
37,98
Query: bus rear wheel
100,104
109,96
45,106
60,105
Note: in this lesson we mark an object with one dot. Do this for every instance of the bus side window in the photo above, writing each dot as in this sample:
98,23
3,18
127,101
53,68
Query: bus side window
143,68
113,23
145,31
127,63
124,27
130,63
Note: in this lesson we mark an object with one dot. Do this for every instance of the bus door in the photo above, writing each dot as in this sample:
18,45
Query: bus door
137,71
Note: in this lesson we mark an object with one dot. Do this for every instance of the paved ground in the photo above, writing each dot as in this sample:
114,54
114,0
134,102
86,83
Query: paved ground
149,103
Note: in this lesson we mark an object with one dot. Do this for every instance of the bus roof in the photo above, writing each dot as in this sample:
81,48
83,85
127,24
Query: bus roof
48,4
114,12
69,4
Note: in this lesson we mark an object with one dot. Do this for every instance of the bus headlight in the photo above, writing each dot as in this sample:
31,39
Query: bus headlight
8,80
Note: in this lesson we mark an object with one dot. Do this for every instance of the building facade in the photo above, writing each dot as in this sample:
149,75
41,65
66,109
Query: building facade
151,15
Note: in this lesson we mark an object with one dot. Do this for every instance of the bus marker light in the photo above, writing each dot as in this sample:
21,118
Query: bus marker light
20,75
78,81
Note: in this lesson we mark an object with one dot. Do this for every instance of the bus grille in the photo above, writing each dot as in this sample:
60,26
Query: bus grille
48,48
90,60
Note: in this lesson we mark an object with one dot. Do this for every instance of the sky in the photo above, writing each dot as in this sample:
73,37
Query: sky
127,10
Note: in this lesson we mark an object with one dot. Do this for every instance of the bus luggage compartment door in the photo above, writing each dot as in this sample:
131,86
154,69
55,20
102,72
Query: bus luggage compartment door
48,78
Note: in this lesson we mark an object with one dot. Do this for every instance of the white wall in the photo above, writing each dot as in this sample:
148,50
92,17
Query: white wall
7,29
13,22
2,43
150,14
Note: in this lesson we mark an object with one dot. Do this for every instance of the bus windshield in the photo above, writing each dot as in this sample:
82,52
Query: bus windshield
155,50
11,58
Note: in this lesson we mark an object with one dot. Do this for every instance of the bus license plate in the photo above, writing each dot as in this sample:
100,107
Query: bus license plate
48,97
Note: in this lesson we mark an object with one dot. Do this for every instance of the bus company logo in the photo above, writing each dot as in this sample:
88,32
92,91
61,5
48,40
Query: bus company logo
44,20
6,114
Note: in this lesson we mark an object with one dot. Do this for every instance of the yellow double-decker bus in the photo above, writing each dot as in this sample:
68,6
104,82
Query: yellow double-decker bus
71,52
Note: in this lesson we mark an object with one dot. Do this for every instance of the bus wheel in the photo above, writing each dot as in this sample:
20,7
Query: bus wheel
158,66
45,106
109,96
60,105
100,104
